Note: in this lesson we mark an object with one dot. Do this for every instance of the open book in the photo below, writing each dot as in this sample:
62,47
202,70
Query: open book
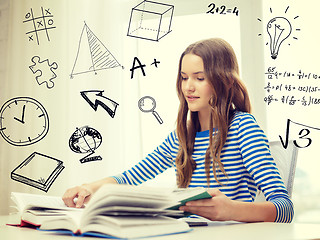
124,211
34,209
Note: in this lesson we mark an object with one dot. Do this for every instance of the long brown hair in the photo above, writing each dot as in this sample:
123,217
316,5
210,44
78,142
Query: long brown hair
229,95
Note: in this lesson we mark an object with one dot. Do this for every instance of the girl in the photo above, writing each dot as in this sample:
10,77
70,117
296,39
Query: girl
217,144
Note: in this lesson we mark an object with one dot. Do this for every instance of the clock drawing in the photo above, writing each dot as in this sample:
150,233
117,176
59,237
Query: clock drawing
23,121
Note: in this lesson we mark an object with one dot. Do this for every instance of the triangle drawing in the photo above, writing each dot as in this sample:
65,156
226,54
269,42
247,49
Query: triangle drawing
92,54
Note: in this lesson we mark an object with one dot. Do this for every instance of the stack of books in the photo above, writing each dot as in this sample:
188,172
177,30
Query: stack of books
115,210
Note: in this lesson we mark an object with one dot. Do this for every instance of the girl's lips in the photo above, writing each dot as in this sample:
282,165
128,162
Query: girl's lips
192,98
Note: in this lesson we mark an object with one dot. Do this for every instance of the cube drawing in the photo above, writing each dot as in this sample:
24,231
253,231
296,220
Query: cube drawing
150,20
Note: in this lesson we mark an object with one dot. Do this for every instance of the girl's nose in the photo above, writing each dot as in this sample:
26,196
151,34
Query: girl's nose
190,85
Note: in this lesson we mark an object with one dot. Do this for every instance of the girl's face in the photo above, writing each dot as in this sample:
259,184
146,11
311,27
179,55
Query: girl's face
195,85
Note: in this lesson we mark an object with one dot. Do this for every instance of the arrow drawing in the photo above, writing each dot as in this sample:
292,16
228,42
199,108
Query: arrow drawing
96,98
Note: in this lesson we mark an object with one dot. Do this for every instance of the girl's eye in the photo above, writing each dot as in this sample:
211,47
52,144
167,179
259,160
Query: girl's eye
184,78
200,79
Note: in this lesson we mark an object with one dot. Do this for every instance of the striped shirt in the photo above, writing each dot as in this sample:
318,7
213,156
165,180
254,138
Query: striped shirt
246,158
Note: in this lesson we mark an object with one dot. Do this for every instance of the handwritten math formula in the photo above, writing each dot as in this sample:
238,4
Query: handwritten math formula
303,88
273,73
292,100
302,138
213,9
290,87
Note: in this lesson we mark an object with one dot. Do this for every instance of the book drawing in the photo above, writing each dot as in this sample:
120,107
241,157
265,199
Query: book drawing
38,170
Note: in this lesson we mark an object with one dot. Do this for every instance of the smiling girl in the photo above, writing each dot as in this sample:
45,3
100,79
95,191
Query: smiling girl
217,144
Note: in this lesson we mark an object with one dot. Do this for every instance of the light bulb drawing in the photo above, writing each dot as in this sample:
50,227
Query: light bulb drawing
279,29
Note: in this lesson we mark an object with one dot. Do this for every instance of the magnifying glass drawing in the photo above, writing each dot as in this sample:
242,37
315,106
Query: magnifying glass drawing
148,104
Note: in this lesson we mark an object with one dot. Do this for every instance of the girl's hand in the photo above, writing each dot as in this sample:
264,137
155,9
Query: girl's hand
217,208
82,193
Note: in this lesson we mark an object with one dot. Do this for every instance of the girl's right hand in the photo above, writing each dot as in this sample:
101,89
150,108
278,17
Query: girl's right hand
77,196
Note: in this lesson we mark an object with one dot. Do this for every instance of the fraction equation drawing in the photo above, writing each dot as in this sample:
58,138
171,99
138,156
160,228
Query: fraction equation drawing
38,170
306,100
92,55
40,25
299,90
95,98
44,72
273,73
86,140
150,20
148,104
279,30
293,100
303,139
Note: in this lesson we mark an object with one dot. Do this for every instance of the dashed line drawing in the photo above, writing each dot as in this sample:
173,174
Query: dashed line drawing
39,24
85,140
148,104
150,20
92,55
38,171
96,98
44,71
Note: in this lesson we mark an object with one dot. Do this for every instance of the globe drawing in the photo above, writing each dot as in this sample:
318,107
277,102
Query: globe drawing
85,140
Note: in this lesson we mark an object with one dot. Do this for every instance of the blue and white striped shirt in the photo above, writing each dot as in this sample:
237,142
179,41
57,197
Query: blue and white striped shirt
246,159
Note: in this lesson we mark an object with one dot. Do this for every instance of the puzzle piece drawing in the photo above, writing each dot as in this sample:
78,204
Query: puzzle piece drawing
45,72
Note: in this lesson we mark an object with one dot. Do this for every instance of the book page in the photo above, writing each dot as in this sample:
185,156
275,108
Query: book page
25,200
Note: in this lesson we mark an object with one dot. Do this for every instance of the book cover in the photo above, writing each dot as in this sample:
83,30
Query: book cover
38,170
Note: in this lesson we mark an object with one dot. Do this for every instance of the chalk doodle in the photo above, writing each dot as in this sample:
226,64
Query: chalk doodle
303,140
150,20
38,171
85,140
137,64
92,55
213,9
147,104
23,121
40,24
95,98
44,71
279,30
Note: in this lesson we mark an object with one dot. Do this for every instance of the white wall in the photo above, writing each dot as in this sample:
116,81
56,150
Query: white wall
131,134
300,51
66,108
160,83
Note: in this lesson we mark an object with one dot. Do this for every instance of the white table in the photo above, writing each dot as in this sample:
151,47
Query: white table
247,231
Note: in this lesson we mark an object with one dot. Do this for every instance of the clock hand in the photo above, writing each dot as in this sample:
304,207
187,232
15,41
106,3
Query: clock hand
18,120
23,110
22,119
